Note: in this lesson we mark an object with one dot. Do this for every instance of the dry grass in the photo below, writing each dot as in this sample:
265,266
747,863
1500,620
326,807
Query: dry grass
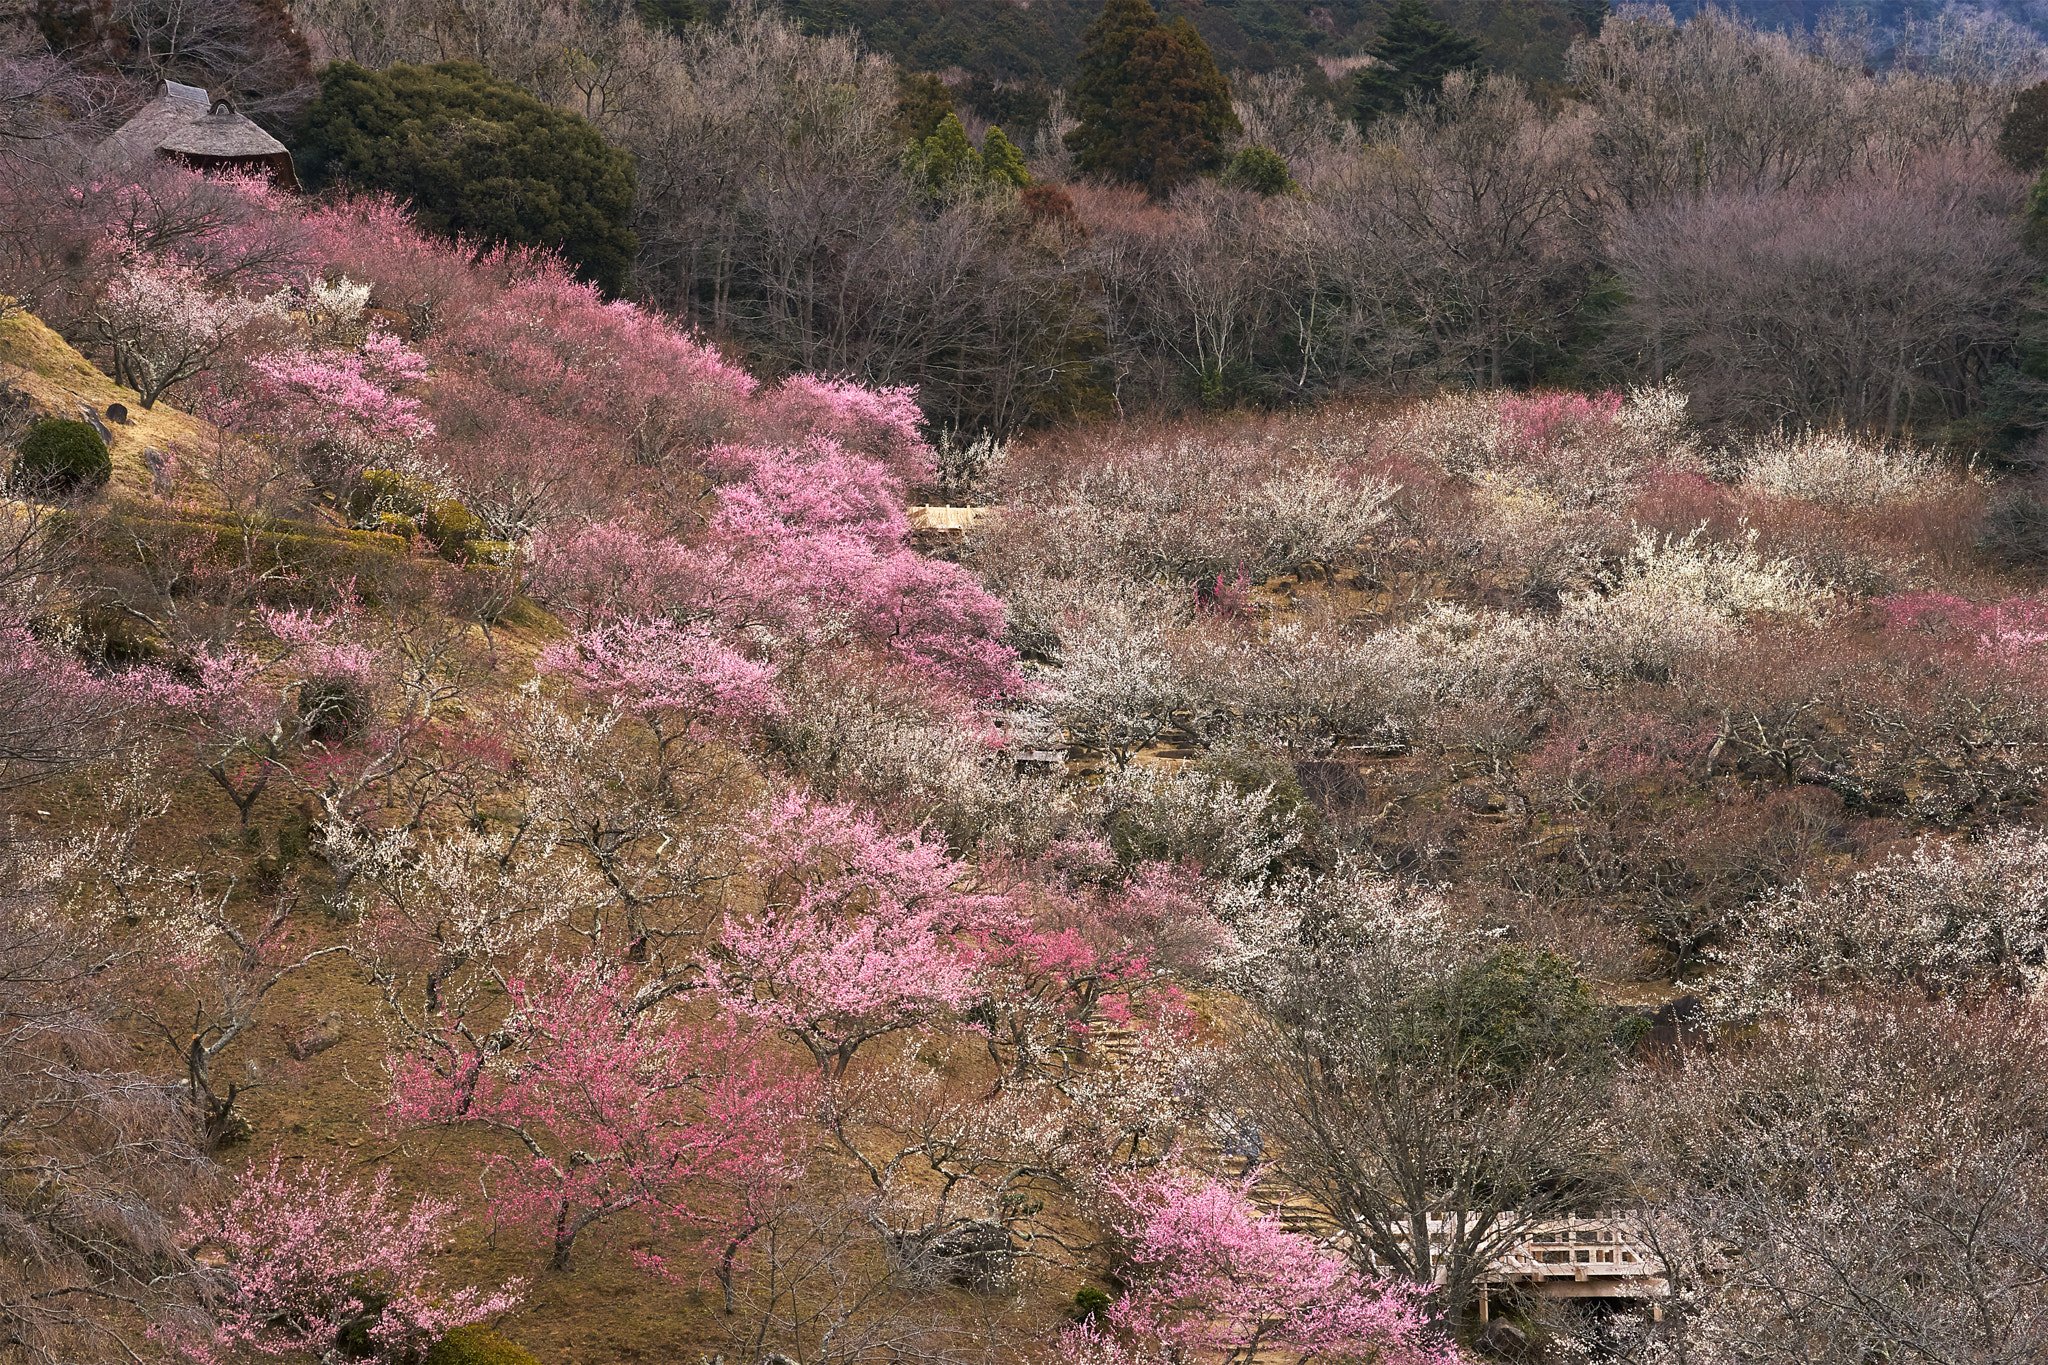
58,380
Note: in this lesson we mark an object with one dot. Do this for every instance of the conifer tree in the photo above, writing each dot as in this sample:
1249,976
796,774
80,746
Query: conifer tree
1412,55
1154,109
1001,162
948,156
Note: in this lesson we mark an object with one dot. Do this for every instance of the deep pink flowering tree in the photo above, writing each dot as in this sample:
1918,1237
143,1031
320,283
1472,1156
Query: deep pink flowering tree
816,488
599,1109
1542,420
1060,962
862,932
304,1263
1212,1274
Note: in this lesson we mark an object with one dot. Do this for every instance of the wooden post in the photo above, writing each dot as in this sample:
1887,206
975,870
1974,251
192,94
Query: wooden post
1482,1302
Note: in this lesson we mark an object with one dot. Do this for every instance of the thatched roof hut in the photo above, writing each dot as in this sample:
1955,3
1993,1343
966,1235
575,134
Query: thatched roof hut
186,125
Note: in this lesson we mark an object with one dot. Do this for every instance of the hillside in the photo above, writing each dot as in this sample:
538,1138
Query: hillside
761,728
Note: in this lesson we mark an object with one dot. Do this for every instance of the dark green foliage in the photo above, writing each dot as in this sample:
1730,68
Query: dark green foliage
947,159
1024,105
1035,47
2023,139
1001,162
476,158
385,500
1154,109
922,103
1412,55
1512,1011
673,15
1526,38
477,1345
1591,14
1089,1301
63,456
1259,169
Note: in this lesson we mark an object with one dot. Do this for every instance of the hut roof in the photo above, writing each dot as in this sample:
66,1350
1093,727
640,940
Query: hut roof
183,120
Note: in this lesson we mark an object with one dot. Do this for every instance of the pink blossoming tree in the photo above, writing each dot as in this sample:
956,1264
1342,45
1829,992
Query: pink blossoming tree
599,1110
1212,1274
862,933
303,1263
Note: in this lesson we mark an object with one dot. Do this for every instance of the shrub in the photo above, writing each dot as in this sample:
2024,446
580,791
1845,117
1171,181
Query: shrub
477,1345
1839,467
1260,170
63,455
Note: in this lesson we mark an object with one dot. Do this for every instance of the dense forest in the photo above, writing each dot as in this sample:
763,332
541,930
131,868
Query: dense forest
992,684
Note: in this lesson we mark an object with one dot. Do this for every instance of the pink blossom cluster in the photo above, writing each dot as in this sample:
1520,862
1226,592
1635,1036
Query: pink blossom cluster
672,676
863,932
601,1107
1212,1273
1542,420
1215,1273
305,1263
2010,629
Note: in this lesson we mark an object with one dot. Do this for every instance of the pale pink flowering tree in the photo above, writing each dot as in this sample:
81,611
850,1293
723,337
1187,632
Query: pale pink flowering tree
304,1263
164,326
880,423
862,933
595,573
602,1109
2011,629
54,713
1212,1274
674,678
346,410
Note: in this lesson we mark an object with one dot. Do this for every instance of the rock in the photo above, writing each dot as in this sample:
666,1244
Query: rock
91,415
317,1039
118,413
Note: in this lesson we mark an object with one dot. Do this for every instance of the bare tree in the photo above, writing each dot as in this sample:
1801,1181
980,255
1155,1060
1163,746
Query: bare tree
1432,1100
95,1156
1874,303
1857,1182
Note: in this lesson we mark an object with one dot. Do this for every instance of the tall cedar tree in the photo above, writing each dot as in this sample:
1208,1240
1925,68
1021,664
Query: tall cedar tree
1412,55
477,158
1154,109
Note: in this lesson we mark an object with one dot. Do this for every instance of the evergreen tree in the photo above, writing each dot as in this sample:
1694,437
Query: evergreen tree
1412,55
1001,162
477,158
1154,109
922,103
1260,170
947,157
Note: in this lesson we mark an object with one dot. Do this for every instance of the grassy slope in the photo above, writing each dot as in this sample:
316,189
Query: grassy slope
59,379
